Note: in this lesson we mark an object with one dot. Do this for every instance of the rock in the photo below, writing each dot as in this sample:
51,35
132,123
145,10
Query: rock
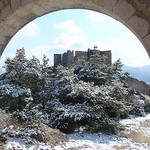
4,119
2,138
138,102
54,136
33,133
146,103
139,86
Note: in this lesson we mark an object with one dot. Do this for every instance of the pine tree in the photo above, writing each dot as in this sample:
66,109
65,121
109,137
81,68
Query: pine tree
16,66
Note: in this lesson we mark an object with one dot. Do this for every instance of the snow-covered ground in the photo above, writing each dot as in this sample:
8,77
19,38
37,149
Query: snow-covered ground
136,137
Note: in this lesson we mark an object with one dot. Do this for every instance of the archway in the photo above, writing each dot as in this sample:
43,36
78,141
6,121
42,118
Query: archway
17,13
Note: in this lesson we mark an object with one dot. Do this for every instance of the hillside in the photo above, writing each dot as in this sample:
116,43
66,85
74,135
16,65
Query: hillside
141,73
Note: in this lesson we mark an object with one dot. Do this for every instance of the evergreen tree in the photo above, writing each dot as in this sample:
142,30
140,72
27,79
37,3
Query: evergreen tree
93,69
16,66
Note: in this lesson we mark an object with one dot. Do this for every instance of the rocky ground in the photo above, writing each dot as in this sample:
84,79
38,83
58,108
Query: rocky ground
135,136
29,133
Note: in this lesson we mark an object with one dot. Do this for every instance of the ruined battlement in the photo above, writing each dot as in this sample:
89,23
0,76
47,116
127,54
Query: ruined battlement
70,56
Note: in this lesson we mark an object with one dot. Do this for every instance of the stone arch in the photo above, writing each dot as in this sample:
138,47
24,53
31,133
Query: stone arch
135,14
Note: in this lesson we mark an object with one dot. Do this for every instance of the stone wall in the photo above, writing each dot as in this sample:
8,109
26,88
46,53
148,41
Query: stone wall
107,53
80,54
57,59
108,56
139,86
68,57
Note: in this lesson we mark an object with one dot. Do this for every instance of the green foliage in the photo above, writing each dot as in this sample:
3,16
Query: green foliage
28,73
86,93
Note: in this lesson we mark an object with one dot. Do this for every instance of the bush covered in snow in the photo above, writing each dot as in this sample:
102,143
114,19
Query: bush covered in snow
14,97
86,95
32,133
76,103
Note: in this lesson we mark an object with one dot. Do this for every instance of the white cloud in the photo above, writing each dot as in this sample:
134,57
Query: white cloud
96,18
130,54
30,30
71,37
69,27
71,41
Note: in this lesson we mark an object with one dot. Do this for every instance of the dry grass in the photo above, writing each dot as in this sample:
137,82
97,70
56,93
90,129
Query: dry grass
139,135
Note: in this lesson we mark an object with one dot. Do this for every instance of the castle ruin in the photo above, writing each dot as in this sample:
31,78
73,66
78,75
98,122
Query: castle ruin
70,56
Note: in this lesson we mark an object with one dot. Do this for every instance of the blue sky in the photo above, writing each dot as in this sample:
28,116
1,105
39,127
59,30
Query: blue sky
77,30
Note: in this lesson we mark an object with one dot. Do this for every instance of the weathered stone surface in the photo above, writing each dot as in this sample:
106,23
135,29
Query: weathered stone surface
2,39
54,136
106,4
6,31
35,9
21,13
25,2
139,86
49,6
3,3
15,4
124,10
4,119
15,22
5,12
139,25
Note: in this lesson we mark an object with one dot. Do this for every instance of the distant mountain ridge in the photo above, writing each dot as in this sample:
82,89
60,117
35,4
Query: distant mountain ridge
140,73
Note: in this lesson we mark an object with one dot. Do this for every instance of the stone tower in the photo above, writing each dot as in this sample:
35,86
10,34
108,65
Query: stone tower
102,53
57,59
108,56
68,57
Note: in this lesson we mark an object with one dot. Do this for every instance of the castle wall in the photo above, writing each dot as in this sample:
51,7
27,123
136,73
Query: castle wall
69,57
57,59
102,53
80,54
64,59
91,52
108,56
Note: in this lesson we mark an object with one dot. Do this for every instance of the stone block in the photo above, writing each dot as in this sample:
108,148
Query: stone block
5,12
48,5
21,12
124,10
139,26
88,4
26,2
35,9
1,5
2,39
15,22
30,17
6,31
106,4
15,4
25,14
64,4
